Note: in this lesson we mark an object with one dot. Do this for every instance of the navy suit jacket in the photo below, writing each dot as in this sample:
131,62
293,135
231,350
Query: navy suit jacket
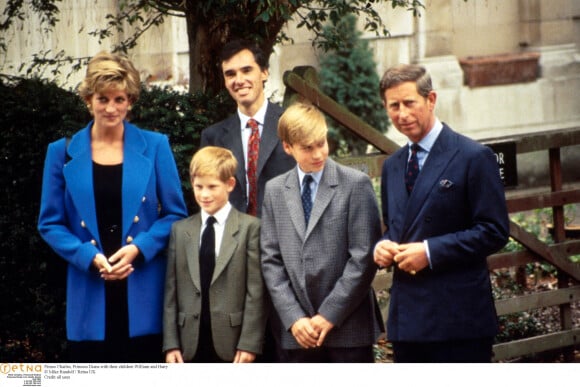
458,206
152,201
272,159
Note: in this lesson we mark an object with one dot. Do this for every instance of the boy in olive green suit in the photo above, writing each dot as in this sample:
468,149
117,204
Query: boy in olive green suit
214,306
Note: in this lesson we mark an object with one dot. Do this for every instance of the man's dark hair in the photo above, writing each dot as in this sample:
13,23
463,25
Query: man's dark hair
233,47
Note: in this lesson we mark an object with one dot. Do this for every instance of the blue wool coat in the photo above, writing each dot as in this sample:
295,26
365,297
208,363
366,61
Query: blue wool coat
152,200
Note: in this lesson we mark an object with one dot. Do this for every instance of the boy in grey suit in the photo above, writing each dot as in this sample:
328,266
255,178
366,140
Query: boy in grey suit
316,248
214,293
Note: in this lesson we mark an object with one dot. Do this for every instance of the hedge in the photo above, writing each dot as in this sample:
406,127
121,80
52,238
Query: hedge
32,279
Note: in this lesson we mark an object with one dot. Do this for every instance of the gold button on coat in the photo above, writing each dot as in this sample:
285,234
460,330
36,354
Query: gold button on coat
83,224
136,219
129,239
93,242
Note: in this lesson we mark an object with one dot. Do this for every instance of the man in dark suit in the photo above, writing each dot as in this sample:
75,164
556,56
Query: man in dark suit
245,70
444,211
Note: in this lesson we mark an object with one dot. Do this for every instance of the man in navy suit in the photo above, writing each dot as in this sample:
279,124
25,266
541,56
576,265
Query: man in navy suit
442,220
245,70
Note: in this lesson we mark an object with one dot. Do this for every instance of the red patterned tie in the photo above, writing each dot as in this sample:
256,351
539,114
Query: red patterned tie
253,149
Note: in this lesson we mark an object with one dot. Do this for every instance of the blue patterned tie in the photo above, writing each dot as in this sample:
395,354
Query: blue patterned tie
307,197
412,168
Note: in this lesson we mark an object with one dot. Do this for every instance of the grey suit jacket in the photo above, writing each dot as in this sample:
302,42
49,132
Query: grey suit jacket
328,267
236,291
272,160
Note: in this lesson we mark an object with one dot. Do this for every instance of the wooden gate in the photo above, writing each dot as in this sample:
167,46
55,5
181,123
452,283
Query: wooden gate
302,83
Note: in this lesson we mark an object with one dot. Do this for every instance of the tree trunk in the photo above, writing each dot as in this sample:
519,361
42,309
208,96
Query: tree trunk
199,56
207,35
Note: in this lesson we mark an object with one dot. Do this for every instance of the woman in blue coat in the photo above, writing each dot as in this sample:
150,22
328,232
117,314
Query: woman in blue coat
109,199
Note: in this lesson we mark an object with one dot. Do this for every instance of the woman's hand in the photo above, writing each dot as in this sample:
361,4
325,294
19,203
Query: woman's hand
121,263
101,263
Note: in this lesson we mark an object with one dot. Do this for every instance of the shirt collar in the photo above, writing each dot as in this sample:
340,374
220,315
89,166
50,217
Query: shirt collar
260,115
219,216
315,175
427,142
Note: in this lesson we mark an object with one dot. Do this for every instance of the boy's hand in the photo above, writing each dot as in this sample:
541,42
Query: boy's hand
304,333
244,357
173,356
322,326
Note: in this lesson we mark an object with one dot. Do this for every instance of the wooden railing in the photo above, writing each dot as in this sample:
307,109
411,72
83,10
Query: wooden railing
557,254
302,83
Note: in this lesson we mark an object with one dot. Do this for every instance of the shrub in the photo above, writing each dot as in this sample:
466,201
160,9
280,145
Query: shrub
182,117
349,76
32,277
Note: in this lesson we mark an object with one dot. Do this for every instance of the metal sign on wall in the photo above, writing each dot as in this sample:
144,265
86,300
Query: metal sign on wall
505,154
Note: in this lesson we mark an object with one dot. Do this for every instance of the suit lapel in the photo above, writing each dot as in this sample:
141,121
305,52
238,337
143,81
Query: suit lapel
232,139
79,178
191,239
229,243
269,138
294,202
137,169
324,194
443,151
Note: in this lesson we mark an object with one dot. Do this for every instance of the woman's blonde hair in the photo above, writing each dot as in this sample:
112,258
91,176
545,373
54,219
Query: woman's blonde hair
107,71
213,161
302,123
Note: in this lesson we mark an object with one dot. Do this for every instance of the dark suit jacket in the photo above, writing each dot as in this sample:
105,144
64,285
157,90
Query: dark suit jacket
328,267
236,292
458,206
272,160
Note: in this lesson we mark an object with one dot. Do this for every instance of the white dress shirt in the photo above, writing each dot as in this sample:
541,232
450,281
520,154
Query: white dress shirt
218,226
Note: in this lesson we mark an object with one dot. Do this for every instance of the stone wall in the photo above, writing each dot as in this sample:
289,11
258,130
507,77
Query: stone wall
447,31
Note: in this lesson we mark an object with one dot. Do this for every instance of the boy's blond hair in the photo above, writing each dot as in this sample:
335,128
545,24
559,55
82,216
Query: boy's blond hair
302,123
213,161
